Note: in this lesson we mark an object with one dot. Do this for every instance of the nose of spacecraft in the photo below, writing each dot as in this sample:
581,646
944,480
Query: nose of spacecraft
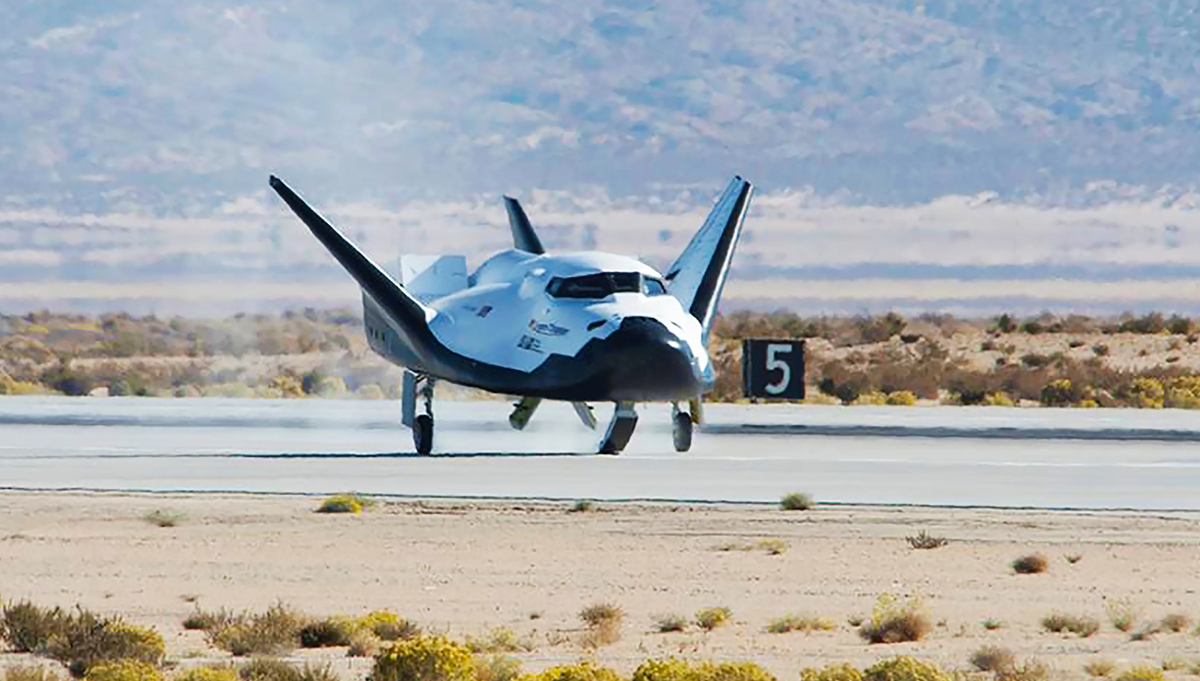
649,362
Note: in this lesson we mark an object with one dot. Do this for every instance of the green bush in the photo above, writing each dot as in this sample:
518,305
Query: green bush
206,674
901,398
387,625
124,670
672,669
833,672
904,668
670,622
326,633
1059,393
796,501
424,659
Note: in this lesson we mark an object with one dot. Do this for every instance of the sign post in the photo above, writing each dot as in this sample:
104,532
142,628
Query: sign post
773,369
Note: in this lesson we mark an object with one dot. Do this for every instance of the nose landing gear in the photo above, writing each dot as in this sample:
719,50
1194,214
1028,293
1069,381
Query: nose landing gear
681,431
414,387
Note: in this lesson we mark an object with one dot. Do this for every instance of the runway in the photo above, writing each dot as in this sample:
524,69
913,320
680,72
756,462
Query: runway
1043,458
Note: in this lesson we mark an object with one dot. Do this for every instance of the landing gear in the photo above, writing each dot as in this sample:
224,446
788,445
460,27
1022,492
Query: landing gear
523,411
620,429
418,387
682,430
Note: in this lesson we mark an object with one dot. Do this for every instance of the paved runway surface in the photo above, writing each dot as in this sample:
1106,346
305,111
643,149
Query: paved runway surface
945,456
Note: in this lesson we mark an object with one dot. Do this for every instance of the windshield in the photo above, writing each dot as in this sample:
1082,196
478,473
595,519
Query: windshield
653,287
600,285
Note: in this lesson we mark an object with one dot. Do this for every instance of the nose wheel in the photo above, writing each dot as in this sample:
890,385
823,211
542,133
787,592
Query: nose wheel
681,431
417,388
423,434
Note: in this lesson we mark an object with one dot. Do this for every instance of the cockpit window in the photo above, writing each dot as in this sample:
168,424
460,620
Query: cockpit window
600,285
653,287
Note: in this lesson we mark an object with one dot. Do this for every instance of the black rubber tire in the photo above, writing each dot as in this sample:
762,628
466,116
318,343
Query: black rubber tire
423,434
682,432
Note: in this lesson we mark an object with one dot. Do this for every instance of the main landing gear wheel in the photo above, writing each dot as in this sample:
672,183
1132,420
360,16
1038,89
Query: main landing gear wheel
682,431
423,434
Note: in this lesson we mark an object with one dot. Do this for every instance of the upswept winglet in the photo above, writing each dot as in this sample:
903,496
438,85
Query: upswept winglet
524,238
405,310
698,275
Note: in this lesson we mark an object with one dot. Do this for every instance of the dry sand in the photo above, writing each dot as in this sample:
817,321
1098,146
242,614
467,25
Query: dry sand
462,568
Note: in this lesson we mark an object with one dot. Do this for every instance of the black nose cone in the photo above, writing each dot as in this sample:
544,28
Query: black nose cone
646,361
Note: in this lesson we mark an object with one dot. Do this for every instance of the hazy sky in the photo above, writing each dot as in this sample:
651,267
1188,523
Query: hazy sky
940,155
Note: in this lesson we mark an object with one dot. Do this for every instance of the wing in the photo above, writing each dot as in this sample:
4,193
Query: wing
410,317
698,275
524,238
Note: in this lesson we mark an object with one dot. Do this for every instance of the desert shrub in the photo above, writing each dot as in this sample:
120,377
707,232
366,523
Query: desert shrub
1143,672
1122,613
805,623
363,644
329,632
993,659
345,503
833,672
1175,622
497,668
209,621
314,672
924,540
904,668
901,398
1150,323
601,613
1029,670
28,627
1081,626
678,670
87,639
583,506
207,674
424,659
1146,393
670,622
124,670
386,625
796,501
997,400
498,640
1174,663
268,669
1032,564
163,518
1059,393
1073,558
895,621
711,618
670,669
1099,668
773,547
992,624
603,621
30,672
580,671
275,631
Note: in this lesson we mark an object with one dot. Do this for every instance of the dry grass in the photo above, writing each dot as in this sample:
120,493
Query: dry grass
273,632
804,623
796,501
670,623
1100,668
1029,670
497,668
711,618
1073,558
1078,625
363,644
895,621
326,633
163,518
1175,623
499,640
1034,563
773,547
603,622
1143,672
31,672
924,540
993,659
1123,614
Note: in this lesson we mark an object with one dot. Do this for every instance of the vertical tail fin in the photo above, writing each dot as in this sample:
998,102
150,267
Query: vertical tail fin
698,276
524,238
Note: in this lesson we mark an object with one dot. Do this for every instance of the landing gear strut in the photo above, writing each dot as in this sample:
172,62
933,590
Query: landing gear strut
417,386
620,429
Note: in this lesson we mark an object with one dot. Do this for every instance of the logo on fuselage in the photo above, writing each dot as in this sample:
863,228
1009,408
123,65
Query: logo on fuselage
547,328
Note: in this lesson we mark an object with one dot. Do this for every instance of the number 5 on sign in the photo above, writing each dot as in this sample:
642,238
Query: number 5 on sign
773,368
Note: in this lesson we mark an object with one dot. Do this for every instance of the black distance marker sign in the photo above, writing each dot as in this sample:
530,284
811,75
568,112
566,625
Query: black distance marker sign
773,369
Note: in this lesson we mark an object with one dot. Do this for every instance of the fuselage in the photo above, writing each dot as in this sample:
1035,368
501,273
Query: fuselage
583,326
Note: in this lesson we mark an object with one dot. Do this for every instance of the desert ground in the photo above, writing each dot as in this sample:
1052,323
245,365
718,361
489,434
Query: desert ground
463,568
